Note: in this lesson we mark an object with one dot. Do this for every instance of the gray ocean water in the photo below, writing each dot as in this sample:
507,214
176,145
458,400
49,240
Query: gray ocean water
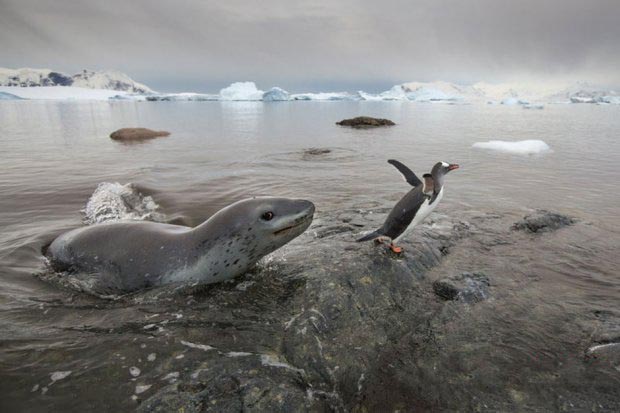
54,154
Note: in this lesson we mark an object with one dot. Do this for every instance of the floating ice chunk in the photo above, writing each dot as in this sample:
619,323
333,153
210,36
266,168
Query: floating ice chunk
59,375
276,94
114,202
245,91
151,357
527,147
134,371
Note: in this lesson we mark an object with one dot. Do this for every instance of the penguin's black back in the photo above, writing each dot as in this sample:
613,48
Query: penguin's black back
403,213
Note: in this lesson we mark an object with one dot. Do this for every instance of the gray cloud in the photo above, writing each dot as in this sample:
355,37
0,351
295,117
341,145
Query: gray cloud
203,45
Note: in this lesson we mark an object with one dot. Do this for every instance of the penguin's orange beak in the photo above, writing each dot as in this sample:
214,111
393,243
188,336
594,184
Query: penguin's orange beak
453,166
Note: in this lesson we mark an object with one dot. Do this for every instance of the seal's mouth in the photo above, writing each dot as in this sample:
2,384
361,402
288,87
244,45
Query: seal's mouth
300,223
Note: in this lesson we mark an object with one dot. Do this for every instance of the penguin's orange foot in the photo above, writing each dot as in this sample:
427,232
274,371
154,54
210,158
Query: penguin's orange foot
396,249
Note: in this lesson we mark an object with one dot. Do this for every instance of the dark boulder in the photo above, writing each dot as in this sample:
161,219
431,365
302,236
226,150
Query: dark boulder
543,221
363,122
133,134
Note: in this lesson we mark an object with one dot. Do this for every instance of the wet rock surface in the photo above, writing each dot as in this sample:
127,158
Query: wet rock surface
136,134
467,287
542,221
328,324
363,122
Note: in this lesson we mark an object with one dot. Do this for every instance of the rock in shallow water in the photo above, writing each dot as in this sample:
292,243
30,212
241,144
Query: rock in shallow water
466,287
542,221
317,331
362,122
134,134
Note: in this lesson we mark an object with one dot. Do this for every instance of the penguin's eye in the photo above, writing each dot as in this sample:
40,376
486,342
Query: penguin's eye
267,216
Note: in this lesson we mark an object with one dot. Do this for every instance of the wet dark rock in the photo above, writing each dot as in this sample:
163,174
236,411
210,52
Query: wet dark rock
317,331
132,134
467,287
362,122
543,221
317,151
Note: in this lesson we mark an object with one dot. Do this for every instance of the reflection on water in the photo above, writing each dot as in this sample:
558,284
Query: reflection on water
54,154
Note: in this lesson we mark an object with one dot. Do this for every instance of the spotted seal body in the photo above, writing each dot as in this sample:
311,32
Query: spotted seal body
131,255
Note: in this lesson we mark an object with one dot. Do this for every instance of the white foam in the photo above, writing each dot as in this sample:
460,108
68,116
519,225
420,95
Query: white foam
112,201
526,147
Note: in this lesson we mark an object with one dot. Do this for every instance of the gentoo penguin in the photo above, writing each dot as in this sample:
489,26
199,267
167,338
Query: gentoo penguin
416,205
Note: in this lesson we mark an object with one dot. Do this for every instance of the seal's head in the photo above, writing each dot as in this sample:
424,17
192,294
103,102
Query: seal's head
263,225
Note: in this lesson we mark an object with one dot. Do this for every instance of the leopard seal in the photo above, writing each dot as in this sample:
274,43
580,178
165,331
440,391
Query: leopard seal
126,256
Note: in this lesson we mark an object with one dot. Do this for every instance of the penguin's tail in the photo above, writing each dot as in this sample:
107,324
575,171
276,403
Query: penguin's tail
370,236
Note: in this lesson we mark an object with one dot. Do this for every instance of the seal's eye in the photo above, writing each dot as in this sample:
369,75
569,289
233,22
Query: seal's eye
267,216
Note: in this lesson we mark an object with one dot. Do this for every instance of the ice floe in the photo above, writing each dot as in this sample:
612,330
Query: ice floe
526,147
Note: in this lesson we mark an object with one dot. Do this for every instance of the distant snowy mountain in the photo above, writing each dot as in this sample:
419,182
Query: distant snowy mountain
109,80
43,84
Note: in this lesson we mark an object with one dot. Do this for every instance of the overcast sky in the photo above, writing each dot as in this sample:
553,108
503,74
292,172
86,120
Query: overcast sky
203,45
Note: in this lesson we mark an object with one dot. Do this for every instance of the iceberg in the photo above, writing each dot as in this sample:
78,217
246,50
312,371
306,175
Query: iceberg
276,94
438,91
176,97
244,91
325,96
395,93
526,147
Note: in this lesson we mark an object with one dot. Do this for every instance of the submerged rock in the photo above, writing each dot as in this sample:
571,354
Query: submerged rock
317,151
543,221
362,122
467,287
131,134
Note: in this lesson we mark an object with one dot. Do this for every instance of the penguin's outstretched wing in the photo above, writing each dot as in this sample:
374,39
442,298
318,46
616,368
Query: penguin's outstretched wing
408,174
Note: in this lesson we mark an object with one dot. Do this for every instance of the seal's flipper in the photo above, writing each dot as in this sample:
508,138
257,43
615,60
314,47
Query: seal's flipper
408,174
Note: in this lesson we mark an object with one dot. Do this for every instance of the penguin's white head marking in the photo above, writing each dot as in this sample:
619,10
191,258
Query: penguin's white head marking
445,164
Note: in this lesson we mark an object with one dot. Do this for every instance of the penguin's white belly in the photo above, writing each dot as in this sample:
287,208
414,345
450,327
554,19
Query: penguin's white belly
425,209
